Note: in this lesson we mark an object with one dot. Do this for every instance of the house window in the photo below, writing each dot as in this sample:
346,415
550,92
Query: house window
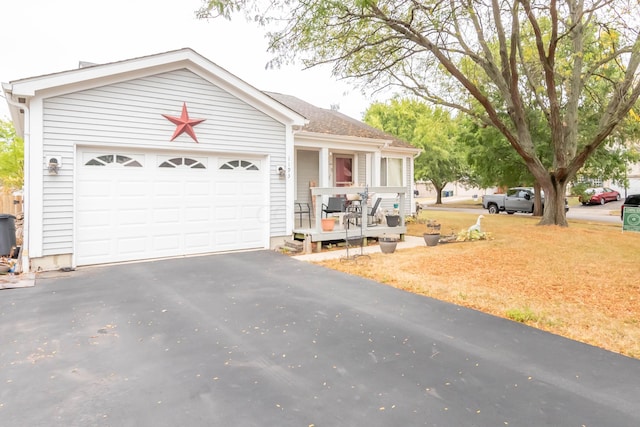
592,182
240,165
391,172
343,171
182,162
114,159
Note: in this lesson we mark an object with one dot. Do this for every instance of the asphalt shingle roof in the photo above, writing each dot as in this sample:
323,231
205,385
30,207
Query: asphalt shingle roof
332,122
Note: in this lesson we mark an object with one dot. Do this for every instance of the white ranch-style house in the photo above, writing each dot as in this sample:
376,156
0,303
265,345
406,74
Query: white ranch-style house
171,155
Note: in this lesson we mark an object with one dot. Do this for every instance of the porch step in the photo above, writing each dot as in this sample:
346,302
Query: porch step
294,245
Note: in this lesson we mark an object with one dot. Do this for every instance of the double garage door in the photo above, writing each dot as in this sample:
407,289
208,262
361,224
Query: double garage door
137,205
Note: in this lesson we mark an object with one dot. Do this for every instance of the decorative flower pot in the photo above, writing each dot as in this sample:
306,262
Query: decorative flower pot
393,220
431,239
328,224
388,244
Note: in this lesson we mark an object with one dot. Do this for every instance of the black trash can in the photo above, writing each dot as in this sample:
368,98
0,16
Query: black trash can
7,234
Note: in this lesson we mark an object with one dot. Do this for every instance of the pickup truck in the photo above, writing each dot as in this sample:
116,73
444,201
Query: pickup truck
517,199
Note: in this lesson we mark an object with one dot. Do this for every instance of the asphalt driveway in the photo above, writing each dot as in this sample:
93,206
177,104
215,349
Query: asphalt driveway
261,339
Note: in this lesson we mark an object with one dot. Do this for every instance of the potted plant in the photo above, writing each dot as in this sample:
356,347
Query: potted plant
388,243
328,223
393,218
432,235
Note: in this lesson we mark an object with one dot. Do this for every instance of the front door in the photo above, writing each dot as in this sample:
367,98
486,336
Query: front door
343,176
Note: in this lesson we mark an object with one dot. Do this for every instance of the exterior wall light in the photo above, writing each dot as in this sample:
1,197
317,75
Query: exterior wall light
53,164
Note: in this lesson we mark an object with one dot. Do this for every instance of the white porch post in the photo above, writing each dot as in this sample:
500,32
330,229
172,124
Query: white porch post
323,177
375,169
324,168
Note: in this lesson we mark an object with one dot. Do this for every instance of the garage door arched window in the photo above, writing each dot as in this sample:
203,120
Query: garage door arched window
114,160
240,165
182,162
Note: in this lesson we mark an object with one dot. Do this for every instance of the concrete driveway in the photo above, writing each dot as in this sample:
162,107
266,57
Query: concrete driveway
261,339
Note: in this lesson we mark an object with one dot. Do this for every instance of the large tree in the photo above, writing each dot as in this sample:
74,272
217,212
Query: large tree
442,159
426,47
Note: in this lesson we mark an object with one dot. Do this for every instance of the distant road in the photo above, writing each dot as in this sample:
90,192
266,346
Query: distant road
598,213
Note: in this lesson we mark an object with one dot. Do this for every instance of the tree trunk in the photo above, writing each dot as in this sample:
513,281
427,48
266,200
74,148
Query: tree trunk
438,192
537,202
554,213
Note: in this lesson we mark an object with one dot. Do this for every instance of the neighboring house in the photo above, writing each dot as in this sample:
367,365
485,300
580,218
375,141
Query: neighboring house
633,175
170,155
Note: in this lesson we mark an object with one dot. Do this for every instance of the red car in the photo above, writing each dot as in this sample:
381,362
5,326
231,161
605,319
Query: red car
599,195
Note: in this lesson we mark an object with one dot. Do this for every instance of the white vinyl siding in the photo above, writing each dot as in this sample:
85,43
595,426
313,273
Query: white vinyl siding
361,173
57,199
307,169
408,170
129,114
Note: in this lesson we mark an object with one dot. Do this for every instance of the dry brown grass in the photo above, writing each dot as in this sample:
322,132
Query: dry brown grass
580,282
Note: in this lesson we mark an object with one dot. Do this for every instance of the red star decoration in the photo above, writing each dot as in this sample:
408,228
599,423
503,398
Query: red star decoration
184,123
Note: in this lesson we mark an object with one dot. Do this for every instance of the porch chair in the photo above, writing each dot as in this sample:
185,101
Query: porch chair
334,205
303,208
371,213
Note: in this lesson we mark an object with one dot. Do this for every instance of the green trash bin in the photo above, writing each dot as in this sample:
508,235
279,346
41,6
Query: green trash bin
7,234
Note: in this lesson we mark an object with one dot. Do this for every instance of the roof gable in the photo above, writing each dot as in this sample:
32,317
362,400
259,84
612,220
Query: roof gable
102,74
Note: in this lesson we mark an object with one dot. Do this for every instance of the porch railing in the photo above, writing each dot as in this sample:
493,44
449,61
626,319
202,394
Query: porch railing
395,193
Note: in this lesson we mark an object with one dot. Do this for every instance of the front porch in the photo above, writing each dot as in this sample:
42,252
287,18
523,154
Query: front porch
360,223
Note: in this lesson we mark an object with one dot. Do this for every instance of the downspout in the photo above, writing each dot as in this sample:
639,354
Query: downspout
23,257
416,208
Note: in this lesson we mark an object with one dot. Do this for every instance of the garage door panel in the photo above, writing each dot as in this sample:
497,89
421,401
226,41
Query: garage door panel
150,211
251,191
251,213
95,248
94,219
194,242
167,242
133,217
226,187
93,188
99,201
132,245
166,215
198,188
227,237
132,188
95,204
225,213
168,189
198,214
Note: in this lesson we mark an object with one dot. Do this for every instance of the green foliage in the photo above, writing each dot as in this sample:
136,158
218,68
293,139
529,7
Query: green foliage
523,315
472,235
491,157
555,79
11,158
433,130
580,190
611,161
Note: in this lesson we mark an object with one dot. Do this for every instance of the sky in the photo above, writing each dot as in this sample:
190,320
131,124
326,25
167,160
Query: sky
44,36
